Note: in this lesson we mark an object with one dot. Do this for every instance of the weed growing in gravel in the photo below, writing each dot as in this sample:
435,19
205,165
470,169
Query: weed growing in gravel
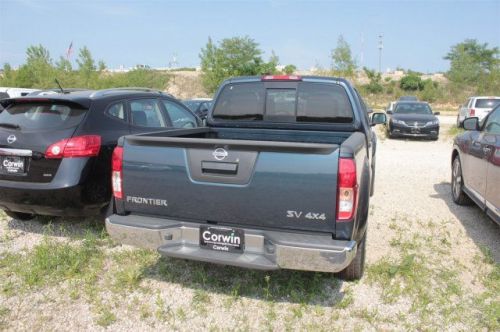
51,262
454,131
423,273
129,268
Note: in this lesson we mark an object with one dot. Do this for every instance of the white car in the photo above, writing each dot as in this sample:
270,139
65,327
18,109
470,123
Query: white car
477,106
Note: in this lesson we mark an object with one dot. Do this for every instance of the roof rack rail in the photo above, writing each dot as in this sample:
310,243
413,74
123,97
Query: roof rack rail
104,92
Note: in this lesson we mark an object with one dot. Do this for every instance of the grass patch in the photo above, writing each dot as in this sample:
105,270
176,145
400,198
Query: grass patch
52,262
130,268
454,131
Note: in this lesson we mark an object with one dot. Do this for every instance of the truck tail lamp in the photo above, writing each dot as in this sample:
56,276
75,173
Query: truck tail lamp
281,78
347,190
472,112
74,147
116,172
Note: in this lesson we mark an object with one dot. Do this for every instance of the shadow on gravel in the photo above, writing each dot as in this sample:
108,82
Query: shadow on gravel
58,226
307,288
479,227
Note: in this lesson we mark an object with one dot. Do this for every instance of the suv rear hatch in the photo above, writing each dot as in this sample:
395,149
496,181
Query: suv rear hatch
28,127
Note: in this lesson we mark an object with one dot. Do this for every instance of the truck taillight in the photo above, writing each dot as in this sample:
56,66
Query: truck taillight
281,78
472,112
347,190
116,172
79,146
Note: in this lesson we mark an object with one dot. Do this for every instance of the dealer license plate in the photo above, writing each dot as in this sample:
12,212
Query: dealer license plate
222,239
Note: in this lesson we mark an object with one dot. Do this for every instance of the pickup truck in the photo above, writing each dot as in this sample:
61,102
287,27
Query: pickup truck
280,178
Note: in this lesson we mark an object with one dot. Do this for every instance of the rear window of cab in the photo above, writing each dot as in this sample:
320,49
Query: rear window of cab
304,102
41,116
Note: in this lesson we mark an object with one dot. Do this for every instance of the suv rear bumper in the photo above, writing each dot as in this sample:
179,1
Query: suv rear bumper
54,201
264,250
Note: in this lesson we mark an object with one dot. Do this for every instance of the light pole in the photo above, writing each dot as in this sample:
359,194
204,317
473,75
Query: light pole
380,47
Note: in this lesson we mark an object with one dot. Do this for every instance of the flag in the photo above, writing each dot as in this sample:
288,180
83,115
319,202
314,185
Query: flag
69,50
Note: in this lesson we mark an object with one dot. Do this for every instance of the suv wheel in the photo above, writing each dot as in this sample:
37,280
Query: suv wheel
20,215
355,270
457,184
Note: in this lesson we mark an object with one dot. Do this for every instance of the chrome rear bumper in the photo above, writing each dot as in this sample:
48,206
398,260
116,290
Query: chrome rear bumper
264,250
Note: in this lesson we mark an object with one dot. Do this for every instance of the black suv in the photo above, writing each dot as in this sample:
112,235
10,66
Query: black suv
55,150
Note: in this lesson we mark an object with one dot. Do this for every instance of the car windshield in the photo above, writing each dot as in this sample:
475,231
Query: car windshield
413,108
41,116
487,103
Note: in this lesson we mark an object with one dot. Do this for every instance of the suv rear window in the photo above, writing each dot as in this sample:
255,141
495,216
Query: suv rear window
487,103
42,116
304,102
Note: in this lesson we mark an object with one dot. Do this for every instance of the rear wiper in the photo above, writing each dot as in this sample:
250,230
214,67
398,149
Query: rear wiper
10,125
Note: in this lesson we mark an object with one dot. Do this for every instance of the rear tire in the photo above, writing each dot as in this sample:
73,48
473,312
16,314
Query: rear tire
457,184
355,270
20,215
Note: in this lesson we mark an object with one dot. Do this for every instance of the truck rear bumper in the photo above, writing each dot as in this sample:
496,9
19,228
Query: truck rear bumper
264,250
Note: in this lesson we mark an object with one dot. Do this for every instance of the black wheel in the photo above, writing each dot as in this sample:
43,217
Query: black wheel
20,215
457,184
355,270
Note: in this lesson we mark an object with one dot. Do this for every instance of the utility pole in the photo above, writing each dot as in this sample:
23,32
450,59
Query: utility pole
380,47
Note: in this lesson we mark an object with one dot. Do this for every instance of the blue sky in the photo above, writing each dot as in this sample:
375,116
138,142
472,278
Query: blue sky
417,34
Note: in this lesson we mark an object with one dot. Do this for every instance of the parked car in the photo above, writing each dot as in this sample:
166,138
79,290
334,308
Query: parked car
199,106
477,106
391,105
475,163
413,119
17,92
281,178
55,150
408,98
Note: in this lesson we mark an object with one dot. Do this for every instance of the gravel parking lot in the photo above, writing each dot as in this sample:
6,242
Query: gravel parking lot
431,265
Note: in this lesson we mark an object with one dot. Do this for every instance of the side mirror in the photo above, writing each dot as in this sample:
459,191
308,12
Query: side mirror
437,113
471,123
389,112
378,118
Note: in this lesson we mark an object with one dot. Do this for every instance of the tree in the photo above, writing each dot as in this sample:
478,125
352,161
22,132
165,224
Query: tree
235,56
471,61
86,67
38,70
289,69
411,82
343,63
374,86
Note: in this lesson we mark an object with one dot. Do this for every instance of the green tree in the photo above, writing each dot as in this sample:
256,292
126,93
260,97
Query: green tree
289,69
86,67
38,71
471,61
232,57
411,82
375,77
343,63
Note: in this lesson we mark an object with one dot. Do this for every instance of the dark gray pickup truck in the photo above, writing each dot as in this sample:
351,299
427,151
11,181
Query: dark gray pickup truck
280,178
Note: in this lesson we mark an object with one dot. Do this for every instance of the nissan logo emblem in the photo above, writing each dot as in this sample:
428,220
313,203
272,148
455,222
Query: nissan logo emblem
219,154
11,139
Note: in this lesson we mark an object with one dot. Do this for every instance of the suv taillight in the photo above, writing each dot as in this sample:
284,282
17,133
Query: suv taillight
79,146
472,112
347,190
116,172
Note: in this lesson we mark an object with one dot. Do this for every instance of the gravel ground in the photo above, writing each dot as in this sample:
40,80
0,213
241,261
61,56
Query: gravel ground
428,267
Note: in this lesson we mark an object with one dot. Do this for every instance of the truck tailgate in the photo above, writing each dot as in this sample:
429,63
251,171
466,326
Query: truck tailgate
232,182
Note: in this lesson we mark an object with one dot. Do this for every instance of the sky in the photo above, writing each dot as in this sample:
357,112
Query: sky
416,34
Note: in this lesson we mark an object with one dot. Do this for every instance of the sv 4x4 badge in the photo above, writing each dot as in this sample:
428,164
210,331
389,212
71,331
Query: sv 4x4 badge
308,215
